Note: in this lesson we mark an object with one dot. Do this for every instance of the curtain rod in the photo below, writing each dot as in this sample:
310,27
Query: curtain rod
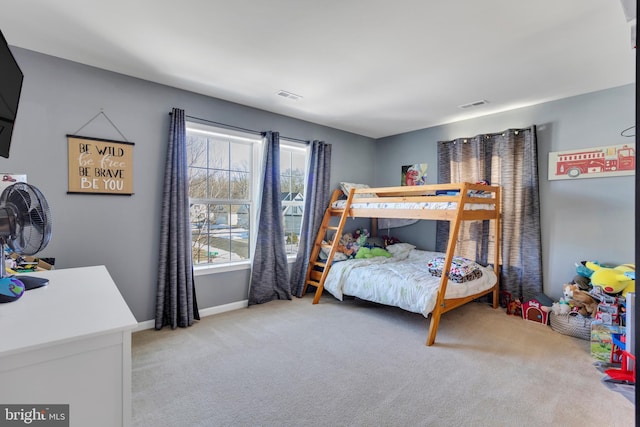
488,134
243,129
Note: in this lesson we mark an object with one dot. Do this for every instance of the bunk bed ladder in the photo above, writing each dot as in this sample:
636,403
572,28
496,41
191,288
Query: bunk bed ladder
318,270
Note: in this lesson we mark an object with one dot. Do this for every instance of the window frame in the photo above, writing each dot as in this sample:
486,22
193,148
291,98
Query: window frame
255,196
304,148
255,142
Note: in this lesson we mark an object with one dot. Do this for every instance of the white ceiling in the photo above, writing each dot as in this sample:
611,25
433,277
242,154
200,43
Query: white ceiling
372,67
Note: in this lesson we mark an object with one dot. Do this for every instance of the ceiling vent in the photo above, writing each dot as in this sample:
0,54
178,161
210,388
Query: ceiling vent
473,104
289,95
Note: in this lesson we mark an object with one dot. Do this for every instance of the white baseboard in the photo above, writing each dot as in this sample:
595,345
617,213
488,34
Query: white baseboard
210,311
223,308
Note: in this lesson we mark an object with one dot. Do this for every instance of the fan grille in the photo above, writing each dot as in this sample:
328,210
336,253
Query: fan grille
30,231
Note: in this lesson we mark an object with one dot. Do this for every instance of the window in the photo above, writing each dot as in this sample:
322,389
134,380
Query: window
224,178
292,181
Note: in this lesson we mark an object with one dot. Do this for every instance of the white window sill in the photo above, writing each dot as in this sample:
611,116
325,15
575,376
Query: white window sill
205,270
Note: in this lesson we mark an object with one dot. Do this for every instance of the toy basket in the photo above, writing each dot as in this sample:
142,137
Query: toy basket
575,326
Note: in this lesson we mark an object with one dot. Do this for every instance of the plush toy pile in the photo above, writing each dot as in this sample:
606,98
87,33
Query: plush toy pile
597,292
360,244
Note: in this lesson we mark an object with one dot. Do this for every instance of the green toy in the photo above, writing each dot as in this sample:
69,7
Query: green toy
372,252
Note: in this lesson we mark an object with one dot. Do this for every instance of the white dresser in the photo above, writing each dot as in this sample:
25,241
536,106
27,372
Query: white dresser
69,343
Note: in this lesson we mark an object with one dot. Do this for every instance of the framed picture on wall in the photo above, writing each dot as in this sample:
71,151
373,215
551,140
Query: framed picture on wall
100,166
596,162
414,174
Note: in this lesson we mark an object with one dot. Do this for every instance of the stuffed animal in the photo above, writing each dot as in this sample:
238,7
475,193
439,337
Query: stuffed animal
555,308
345,250
583,270
372,252
568,289
515,307
586,304
374,242
612,280
584,283
345,245
346,239
360,236
389,240
558,307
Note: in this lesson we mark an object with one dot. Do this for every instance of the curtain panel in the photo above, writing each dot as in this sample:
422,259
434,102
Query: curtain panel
316,200
270,270
176,296
508,159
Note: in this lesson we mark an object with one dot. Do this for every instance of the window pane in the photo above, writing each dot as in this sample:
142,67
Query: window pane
292,180
298,163
218,184
292,216
285,186
297,185
199,233
220,233
241,157
196,151
240,231
218,154
240,185
197,183
285,162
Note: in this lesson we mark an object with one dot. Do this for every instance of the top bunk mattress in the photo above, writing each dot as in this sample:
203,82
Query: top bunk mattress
340,204
437,197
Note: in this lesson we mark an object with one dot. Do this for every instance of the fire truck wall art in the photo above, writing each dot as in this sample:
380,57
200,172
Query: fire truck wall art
597,162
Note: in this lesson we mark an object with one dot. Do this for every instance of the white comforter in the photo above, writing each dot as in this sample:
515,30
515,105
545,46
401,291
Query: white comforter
403,281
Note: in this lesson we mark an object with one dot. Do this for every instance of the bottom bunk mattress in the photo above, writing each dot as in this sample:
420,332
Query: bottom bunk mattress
404,280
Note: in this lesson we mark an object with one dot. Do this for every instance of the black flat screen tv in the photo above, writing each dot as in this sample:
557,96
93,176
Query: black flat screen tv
10,87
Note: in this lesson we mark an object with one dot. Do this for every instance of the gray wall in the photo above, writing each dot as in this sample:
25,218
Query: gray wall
121,232
584,219
590,219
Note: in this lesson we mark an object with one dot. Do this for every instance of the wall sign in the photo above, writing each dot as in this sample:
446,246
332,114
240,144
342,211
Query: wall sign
597,162
100,166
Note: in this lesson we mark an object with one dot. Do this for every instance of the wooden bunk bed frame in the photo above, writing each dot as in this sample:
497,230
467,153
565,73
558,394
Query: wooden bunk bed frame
461,193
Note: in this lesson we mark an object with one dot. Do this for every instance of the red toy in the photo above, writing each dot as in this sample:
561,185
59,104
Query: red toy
627,371
515,307
532,310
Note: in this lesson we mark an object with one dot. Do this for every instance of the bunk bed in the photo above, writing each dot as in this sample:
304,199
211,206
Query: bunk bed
455,203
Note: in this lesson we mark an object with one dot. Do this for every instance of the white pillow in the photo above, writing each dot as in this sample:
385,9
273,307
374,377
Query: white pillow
347,186
400,249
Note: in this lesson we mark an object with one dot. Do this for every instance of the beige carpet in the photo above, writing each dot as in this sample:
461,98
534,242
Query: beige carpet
353,363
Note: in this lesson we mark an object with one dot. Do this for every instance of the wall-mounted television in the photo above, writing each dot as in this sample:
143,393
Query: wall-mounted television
10,86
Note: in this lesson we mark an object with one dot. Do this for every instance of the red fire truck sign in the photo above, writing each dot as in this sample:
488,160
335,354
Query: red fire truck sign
598,162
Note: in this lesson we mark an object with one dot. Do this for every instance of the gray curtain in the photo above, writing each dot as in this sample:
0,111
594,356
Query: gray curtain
508,159
270,271
316,200
176,298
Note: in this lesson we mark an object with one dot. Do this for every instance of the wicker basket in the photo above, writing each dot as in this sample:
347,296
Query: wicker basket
575,326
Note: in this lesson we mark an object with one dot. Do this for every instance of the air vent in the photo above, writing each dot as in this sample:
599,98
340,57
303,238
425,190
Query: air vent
288,95
473,104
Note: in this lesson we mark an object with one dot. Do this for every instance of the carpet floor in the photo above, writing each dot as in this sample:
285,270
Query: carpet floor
354,363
